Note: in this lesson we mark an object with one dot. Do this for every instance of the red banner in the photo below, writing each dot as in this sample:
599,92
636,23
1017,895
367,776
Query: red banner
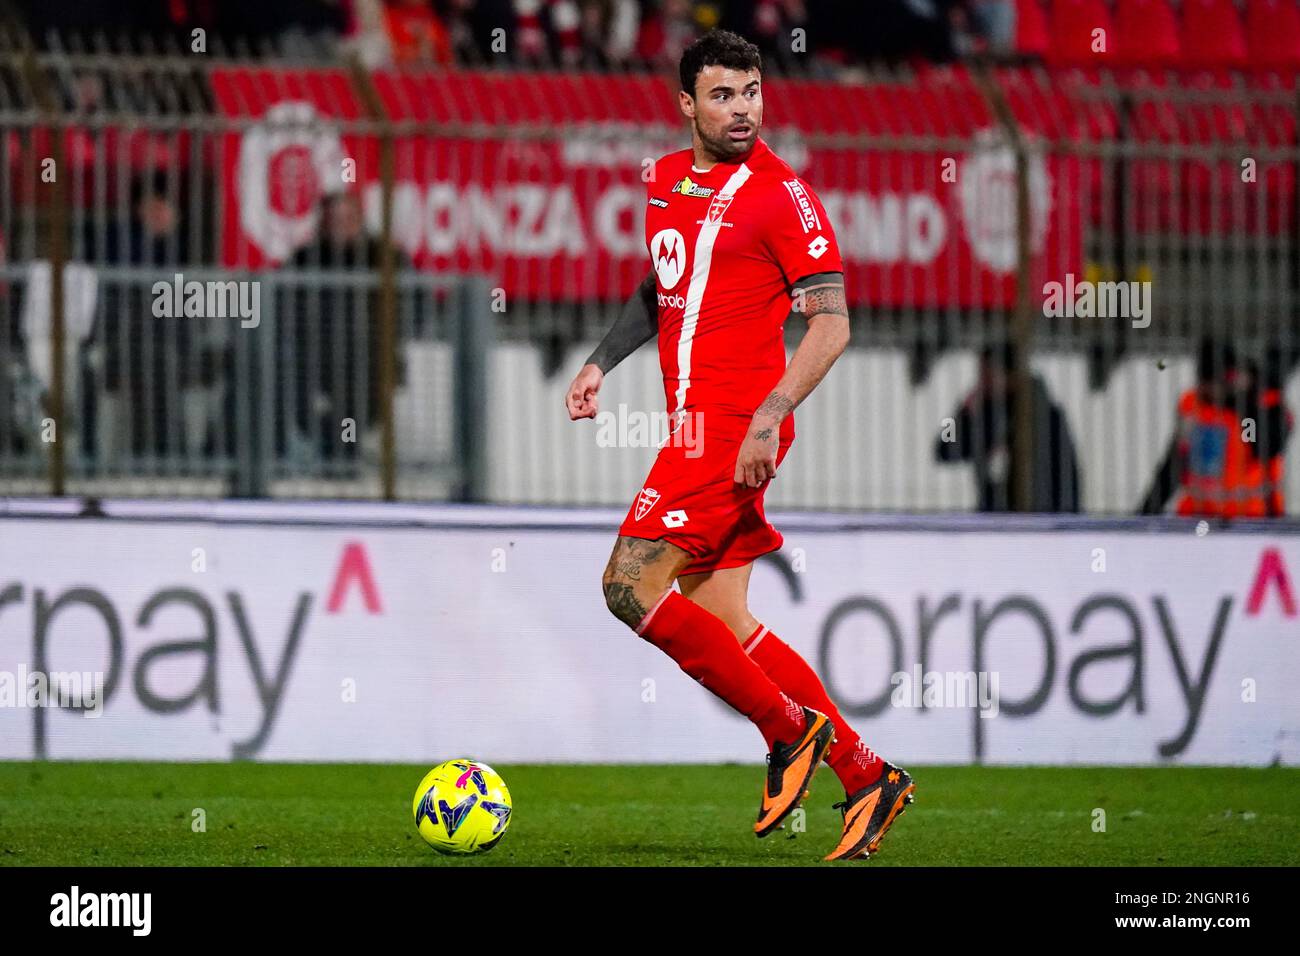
536,179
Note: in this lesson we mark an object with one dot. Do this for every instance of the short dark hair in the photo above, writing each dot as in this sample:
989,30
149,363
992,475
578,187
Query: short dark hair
717,48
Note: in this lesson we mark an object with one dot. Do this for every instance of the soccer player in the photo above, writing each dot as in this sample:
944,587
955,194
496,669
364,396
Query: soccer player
735,238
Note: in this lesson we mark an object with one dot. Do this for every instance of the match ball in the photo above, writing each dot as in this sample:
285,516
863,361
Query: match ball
462,806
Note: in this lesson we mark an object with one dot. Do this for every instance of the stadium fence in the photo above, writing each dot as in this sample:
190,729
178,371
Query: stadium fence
431,254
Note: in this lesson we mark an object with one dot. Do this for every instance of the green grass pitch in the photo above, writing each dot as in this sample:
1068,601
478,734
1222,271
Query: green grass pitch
58,814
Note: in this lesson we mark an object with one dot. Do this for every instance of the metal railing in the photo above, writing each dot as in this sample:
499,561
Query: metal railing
353,382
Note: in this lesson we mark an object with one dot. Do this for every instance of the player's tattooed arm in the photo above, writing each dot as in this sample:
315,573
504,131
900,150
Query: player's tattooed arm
773,411
819,294
823,343
637,324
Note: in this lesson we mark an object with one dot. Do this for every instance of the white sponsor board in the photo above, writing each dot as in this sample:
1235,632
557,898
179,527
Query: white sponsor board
416,634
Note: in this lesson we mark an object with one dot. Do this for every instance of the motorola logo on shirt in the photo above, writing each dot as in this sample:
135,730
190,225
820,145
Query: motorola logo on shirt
668,252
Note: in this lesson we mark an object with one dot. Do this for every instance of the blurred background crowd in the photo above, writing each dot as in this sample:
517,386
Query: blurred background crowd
839,37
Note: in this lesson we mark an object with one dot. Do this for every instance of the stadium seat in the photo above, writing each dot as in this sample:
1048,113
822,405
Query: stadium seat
1273,34
1146,33
1073,23
1212,34
1032,37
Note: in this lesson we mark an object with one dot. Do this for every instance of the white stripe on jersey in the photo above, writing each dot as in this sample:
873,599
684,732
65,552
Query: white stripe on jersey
695,291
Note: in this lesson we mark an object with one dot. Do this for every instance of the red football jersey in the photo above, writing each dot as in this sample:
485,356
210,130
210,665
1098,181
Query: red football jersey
727,245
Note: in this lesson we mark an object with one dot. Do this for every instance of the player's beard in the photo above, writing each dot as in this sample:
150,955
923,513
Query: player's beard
722,147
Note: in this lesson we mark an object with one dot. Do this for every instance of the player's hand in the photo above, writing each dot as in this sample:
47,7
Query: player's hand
756,462
581,397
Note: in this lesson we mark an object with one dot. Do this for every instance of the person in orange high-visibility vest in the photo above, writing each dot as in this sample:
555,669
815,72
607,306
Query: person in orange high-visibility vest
1275,423
1225,459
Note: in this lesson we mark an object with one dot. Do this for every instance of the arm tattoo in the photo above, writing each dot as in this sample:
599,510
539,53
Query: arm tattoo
636,325
775,406
820,294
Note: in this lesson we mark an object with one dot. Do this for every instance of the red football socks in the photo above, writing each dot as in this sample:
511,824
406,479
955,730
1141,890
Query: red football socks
704,647
853,762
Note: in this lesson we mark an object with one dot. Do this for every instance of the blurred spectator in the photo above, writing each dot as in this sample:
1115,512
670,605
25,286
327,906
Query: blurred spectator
981,27
667,30
156,377
330,359
150,235
618,27
19,391
993,22
579,34
530,41
770,25
1275,419
480,27
415,33
1225,458
982,433
596,34
388,32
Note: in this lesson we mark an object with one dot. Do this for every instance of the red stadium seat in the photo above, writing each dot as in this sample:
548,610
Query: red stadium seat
1032,38
1074,26
1146,33
1273,33
1212,34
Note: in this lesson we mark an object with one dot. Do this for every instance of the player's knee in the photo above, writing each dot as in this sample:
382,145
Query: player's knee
625,596
638,573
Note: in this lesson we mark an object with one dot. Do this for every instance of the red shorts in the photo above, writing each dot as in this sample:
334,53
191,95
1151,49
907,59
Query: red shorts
692,501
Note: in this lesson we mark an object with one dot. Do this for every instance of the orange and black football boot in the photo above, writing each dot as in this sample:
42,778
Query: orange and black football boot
790,768
869,813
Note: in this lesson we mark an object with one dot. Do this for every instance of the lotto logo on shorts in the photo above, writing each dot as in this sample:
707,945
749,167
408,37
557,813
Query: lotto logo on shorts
645,501
675,519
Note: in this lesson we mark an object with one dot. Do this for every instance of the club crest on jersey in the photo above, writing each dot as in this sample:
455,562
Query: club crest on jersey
719,206
646,500
688,188
668,253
